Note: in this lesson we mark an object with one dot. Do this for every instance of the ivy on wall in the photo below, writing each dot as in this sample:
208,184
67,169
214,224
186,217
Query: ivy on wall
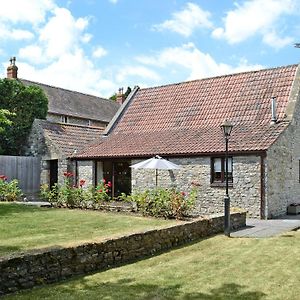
25,103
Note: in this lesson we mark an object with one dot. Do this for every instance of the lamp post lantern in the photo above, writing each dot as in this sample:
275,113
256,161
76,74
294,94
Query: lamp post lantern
226,128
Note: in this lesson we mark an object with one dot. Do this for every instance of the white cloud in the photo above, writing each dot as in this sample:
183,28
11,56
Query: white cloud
99,52
197,63
30,11
272,39
71,71
113,1
186,21
33,54
61,33
6,33
139,71
57,57
256,17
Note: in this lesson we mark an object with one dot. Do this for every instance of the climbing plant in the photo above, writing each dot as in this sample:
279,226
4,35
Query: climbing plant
25,103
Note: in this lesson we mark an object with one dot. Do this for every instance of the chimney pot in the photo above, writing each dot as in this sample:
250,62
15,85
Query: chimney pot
120,96
12,69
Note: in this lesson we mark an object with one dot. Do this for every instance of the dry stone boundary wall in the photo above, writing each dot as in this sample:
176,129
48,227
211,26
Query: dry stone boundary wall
52,265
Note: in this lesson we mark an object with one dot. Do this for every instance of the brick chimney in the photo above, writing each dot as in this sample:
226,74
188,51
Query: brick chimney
12,70
120,96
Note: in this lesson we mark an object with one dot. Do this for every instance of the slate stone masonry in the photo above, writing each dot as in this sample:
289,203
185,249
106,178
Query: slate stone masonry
52,265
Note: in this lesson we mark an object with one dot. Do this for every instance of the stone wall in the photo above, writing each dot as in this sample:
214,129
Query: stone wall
39,146
245,192
85,171
283,161
28,270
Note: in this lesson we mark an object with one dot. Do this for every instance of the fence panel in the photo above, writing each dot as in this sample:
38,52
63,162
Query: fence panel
25,169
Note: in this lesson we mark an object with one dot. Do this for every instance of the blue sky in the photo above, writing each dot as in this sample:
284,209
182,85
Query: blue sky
97,46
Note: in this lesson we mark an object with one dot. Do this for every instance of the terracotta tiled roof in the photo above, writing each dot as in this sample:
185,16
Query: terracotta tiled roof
67,137
71,103
185,118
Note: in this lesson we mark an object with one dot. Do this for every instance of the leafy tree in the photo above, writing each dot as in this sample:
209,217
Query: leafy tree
25,103
4,113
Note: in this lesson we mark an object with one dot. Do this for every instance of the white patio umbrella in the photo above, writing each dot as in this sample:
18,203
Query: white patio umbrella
157,163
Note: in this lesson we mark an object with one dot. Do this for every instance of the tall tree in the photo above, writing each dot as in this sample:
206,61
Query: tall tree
26,103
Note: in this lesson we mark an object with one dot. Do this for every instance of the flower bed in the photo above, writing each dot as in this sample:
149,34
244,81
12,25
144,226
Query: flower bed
167,203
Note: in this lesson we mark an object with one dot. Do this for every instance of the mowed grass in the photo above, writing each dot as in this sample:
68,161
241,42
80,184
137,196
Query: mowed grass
24,227
212,269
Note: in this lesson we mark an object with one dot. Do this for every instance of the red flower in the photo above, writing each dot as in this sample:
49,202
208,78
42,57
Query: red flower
81,182
68,174
100,191
183,193
3,177
109,184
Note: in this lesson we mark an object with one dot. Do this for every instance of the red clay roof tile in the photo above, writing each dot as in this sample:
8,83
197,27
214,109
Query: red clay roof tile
185,118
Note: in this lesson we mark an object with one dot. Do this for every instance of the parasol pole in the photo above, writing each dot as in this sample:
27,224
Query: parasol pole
156,174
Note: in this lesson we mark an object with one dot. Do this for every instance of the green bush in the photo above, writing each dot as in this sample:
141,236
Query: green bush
9,191
102,191
68,195
168,203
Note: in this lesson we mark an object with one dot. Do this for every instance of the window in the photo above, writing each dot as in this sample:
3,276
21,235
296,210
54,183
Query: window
64,119
218,170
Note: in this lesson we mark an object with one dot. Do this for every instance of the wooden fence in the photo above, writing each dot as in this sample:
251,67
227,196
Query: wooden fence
25,169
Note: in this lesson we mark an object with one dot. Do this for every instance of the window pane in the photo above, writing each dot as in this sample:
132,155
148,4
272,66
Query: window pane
229,164
217,165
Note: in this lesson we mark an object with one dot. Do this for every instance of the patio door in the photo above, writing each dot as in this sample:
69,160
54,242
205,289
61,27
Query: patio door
122,178
118,173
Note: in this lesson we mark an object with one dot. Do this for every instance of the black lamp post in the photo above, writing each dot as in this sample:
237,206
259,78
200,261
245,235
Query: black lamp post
226,128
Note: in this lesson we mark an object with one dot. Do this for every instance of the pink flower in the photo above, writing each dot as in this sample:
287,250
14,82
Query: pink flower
103,180
183,193
109,184
107,191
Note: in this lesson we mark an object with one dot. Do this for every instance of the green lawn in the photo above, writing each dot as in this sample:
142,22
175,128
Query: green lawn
212,269
25,227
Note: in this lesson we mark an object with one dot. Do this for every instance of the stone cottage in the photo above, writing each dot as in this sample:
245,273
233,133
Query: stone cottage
73,121
181,122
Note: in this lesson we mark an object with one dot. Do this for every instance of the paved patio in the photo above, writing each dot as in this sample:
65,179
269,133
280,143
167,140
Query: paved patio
267,228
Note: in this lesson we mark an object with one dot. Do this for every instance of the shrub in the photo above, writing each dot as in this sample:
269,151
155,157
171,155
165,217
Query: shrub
71,196
168,203
102,191
9,191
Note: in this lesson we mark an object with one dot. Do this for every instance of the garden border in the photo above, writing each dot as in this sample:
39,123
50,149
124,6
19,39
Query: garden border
55,264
